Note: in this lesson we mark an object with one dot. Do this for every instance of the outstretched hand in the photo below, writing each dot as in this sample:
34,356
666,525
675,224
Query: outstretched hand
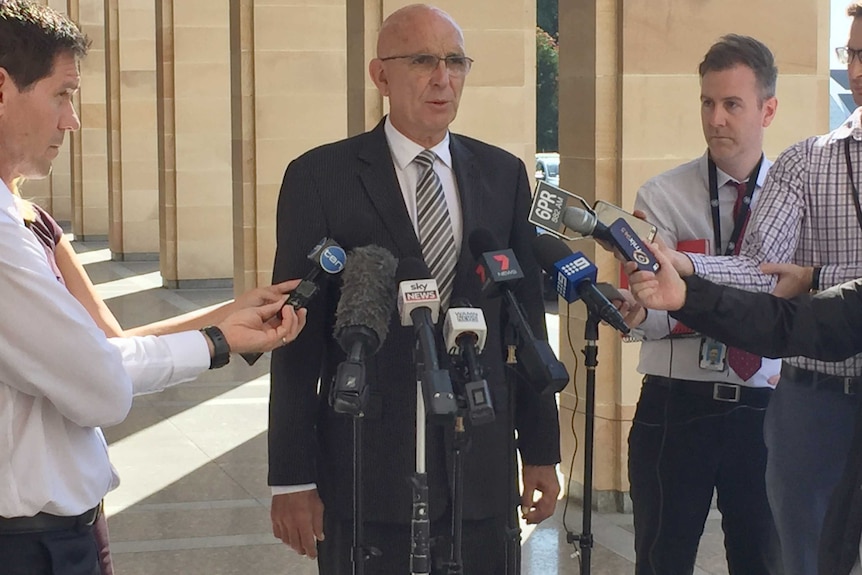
663,290
260,328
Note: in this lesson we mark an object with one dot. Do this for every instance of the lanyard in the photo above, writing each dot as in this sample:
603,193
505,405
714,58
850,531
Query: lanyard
853,189
741,217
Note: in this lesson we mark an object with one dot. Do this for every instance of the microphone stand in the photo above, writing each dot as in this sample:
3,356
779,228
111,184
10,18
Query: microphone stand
513,525
474,402
420,522
349,396
591,354
434,394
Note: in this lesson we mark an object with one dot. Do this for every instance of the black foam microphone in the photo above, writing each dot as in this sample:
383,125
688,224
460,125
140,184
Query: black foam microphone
619,234
575,278
361,322
419,306
498,269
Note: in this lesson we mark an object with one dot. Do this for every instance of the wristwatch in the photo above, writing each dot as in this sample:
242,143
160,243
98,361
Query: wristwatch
815,279
221,353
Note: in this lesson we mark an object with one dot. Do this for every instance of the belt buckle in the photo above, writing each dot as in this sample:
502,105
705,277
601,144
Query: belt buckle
849,386
719,392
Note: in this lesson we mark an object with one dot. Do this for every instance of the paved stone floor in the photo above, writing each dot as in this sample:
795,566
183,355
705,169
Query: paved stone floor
194,499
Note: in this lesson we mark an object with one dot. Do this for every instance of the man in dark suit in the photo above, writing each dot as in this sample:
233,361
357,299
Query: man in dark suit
363,191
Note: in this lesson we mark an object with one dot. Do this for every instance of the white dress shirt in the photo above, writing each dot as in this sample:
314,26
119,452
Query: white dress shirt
677,202
61,378
404,150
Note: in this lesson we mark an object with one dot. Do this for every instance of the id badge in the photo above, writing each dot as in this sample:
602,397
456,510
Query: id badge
713,354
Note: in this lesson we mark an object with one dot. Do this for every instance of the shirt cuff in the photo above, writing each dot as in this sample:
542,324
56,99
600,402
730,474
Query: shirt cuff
285,489
190,353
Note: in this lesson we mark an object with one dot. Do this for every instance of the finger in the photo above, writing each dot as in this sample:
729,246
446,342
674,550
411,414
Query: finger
286,286
294,540
309,543
268,310
775,269
543,508
660,255
526,501
639,214
317,525
276,530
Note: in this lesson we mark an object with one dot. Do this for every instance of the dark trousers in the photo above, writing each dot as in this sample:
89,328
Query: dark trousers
69,552
808,433
483,547
682,447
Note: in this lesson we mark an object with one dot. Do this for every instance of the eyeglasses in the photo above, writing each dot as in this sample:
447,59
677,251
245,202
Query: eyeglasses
846,54
428,63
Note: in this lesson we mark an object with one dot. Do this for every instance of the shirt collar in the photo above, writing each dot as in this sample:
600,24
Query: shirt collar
852,126
404,150
722,178
8,205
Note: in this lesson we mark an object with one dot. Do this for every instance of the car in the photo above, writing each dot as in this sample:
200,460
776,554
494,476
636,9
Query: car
548,167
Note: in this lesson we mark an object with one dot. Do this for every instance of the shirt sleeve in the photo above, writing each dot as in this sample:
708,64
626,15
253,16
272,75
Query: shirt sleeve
649,200
773,230
50,347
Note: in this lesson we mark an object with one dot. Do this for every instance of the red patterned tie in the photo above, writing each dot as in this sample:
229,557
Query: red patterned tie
743,363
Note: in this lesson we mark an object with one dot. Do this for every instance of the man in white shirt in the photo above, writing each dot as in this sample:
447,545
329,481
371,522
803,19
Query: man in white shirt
61,378
699,420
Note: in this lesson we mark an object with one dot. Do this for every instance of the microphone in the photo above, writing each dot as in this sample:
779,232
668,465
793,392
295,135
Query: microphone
575,278
619,234
328,258
419,306
361,322
498,269
549,203
465,332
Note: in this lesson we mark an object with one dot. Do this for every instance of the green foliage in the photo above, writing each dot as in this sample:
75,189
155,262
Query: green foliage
547,66
547,17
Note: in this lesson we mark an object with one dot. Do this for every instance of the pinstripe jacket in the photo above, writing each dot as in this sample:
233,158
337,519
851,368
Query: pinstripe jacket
349,191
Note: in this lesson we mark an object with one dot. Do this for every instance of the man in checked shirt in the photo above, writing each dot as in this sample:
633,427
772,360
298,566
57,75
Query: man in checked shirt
805,233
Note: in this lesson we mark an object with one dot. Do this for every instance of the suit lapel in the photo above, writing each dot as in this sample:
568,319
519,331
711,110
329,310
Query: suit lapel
470,190
381,185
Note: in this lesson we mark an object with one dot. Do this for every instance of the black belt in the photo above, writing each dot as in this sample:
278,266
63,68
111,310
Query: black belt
838,383
726,392
42,522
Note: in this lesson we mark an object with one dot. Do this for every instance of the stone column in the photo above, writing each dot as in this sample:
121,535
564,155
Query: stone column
288,84
89,145
132,132
193,111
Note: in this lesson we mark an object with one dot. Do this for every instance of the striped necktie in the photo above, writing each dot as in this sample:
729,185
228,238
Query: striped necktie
435,227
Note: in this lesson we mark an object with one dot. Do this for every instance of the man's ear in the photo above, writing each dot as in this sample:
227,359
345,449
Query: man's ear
377,71
770,106
5,83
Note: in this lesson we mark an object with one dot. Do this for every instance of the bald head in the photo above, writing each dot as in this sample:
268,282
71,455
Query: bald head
414,49
401,26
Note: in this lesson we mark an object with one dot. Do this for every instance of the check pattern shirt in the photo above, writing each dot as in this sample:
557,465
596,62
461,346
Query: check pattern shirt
805,215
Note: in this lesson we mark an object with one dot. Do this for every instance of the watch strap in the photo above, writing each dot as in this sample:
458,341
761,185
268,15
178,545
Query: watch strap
221,349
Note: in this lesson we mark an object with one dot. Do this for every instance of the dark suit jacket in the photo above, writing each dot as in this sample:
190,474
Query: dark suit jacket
349,191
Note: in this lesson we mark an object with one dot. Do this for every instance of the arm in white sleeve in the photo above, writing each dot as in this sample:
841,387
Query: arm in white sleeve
50,347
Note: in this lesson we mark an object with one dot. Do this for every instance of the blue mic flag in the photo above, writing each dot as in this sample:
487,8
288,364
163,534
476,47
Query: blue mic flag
571,271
